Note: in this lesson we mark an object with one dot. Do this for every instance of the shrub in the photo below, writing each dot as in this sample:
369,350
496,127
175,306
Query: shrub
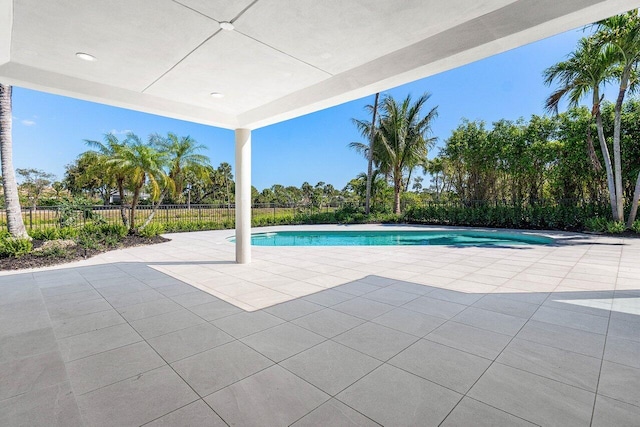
12,247
117,230
45,234
597,224
151,230
616,227
55,248
636,226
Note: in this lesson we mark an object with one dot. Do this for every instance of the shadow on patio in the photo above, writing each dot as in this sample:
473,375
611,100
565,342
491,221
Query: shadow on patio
124,344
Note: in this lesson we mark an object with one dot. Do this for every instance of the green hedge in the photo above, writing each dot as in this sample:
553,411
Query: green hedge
550,217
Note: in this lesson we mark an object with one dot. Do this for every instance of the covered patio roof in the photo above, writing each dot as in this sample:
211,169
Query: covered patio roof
283,58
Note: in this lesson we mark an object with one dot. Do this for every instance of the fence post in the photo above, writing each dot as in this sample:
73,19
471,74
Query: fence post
30,217
274,212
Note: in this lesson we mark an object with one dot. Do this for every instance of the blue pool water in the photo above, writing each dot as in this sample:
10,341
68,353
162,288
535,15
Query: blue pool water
396,237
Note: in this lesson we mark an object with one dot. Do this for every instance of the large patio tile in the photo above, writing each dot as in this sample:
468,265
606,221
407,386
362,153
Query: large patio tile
65,310
273,397
191,299
66,289
189,341
363,308
293,309
435,307
412,288
410,322
148,309
127,285
23,316
282,341
334,413
215,310
90,343
328,322
572,319
624,327
328,297
161,324
196,414
376,340
391,396
24,344
215,369
609,412
53,406
563,337
330,366
561,365
31,373
622,351
83,295
137,400
246,323
500,304
470,412
178,288
102,369
443,365
138,297
455,296
467,338
490,320
532,397
391,296
87,323
620,382
357,288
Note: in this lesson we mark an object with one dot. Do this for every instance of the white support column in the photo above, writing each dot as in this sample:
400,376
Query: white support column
243,196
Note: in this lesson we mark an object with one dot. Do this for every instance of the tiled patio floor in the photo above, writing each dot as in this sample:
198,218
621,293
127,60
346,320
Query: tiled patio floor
177,334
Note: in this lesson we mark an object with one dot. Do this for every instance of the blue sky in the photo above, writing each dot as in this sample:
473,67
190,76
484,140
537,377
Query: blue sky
49,130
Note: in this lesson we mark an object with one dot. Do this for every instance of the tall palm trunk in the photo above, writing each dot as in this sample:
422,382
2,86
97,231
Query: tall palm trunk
367,207
605,154
15,223
617,160
634,205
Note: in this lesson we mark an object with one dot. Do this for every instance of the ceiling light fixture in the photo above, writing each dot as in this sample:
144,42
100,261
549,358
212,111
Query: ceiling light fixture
227,26
216,95
86,56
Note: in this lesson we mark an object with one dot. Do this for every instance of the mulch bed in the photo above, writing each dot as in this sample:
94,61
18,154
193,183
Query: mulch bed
77,253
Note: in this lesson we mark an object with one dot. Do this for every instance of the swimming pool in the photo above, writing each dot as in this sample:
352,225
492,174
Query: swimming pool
395,238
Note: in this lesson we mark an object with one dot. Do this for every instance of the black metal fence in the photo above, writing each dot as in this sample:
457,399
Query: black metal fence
41,217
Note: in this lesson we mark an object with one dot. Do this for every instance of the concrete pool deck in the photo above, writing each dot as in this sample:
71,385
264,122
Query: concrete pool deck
178,334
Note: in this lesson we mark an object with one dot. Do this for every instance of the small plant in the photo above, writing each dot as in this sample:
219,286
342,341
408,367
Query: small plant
616,227
597,224
12,247
151,230
45,234
636,226
114,230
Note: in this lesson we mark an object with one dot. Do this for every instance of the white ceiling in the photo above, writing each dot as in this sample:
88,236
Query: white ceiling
285,58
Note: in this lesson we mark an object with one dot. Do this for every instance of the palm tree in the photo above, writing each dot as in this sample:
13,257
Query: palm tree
106,151
183,158
402,143
143,164
368,130
585,71
621,34
15,224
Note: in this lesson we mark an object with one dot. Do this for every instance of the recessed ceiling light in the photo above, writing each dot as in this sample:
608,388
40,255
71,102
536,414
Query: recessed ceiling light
86,56
217,95
227,26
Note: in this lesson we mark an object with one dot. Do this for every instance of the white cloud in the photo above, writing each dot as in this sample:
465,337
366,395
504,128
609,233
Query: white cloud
119,132
28,122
